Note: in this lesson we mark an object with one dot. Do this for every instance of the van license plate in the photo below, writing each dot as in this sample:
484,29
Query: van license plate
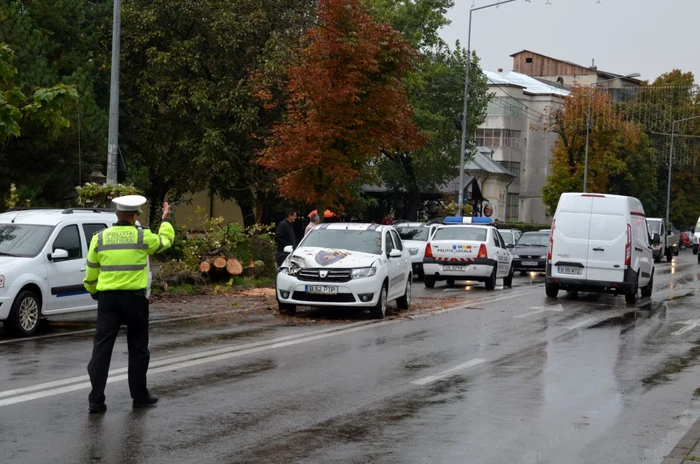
321,290
453,268
569,270
529,263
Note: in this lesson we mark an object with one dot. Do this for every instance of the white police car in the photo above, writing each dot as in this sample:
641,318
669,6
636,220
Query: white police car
42,263
467,249
351,265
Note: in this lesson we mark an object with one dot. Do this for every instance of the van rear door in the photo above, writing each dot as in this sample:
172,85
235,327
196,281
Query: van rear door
570,237
608,238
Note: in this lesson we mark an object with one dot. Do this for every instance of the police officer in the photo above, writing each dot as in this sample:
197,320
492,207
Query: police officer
117,277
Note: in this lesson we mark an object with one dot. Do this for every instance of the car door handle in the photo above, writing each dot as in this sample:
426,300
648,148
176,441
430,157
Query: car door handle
598,249
638,249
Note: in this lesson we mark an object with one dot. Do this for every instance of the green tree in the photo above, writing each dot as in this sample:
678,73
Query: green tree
60,49
436,92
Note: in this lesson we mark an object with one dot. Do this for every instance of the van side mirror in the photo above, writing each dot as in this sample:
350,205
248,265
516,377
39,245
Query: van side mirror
58,253
655,239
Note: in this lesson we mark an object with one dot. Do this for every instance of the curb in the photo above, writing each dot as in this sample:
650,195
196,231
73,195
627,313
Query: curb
684,447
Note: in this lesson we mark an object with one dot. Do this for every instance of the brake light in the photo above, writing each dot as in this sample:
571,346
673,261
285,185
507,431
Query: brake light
628,246
428,251
551,241
483,252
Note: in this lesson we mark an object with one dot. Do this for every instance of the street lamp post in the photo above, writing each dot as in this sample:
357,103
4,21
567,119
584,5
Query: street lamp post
460,205
113,135
670,165
588,125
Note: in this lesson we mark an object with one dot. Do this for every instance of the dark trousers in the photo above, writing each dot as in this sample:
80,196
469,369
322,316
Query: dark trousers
281,256
115,308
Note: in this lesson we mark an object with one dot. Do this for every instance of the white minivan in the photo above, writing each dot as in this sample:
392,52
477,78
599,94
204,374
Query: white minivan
600,243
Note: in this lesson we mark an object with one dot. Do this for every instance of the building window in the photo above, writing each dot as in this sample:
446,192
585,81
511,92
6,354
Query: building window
493,138
505,106
528,60
512,206
512,166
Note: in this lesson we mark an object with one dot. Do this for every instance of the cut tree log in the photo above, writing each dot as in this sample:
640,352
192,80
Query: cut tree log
204,267
234,267
220,262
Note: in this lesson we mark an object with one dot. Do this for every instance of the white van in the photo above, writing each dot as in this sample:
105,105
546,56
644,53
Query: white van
600,243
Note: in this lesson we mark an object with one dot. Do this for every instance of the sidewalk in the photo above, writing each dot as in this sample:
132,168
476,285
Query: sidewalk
688,449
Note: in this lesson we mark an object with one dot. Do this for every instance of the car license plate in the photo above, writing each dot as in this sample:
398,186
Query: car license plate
453,268
569,270
321,290
529,263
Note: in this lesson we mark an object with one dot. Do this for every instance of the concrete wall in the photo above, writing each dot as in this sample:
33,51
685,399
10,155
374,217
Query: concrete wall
185,212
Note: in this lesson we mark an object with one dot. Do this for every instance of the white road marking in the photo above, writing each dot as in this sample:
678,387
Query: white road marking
448,372
153,322
177,362
541,309
689,325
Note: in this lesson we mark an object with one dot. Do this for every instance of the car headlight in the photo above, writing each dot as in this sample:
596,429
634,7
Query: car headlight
363,272
516,256
2,281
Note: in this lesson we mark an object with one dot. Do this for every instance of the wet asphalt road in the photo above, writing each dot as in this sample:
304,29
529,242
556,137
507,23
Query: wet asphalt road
508,376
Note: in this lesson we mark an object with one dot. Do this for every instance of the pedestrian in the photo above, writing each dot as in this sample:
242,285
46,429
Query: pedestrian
117,277
315,219
284,236
388,220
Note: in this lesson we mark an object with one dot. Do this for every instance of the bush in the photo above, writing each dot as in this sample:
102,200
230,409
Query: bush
523,226
100,196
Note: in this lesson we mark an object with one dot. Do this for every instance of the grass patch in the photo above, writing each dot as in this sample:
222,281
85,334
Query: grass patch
181,290
260,282
691,457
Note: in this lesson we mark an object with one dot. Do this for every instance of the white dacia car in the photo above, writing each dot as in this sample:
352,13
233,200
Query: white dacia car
350,265
42,263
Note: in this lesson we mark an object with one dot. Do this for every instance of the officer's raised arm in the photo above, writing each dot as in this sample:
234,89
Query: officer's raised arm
163,240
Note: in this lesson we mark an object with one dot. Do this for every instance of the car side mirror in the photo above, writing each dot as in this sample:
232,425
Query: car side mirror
395,253
510,246
58,253
656,239
288,249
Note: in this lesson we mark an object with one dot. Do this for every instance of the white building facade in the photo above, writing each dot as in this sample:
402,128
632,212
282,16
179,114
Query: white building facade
513,130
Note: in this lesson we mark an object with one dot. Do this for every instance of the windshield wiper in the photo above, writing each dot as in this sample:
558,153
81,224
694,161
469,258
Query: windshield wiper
531,245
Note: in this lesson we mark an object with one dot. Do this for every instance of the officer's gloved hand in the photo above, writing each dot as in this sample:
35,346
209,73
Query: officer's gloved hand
94,295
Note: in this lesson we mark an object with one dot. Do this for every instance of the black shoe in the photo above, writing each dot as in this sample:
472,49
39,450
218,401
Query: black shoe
146,402
97,408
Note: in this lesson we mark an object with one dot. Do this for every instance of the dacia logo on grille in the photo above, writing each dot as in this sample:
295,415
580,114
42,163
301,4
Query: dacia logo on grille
323,274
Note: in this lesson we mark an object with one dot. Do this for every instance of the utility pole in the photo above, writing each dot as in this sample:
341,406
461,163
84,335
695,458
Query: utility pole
113,137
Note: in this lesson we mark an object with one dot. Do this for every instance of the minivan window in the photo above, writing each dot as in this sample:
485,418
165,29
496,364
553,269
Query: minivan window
23,240
69,239
476,234
92,229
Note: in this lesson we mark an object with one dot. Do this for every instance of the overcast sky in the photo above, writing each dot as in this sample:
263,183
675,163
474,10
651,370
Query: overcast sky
649,37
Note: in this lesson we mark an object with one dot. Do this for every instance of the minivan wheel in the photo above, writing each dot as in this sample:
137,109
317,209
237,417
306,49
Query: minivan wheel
631,297
491,281
551,290
508,280
646,291
379,310
405,301
429,281
450,282
24,315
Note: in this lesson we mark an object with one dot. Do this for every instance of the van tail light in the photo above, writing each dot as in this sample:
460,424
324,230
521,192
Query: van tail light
628,246
428,251
551,241
483,252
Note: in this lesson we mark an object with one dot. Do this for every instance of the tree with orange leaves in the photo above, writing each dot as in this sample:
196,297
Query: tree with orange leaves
620,157
345,102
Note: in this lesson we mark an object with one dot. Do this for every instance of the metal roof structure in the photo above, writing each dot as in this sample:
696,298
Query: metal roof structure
483,162
529,84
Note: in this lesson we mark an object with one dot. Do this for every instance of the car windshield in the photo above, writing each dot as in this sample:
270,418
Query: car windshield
508,236
475,234
654,227
413,233
23,240
352,240
534,240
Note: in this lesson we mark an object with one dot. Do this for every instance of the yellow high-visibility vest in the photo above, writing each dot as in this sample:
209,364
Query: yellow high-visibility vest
118,257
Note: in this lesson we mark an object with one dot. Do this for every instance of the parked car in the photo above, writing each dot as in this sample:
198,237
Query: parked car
663,240
351,265
414,236
467,251
530,253
600,243
510,236
684,242
42,264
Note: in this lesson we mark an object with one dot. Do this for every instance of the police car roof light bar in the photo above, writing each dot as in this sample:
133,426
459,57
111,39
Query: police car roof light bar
467,220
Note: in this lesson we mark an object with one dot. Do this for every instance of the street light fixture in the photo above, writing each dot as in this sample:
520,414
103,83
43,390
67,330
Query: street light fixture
460,205
670,165
588,124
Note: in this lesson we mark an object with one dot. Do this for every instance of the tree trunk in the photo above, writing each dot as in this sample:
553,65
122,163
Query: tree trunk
248,212
412,203
320,209
234,267
156,197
